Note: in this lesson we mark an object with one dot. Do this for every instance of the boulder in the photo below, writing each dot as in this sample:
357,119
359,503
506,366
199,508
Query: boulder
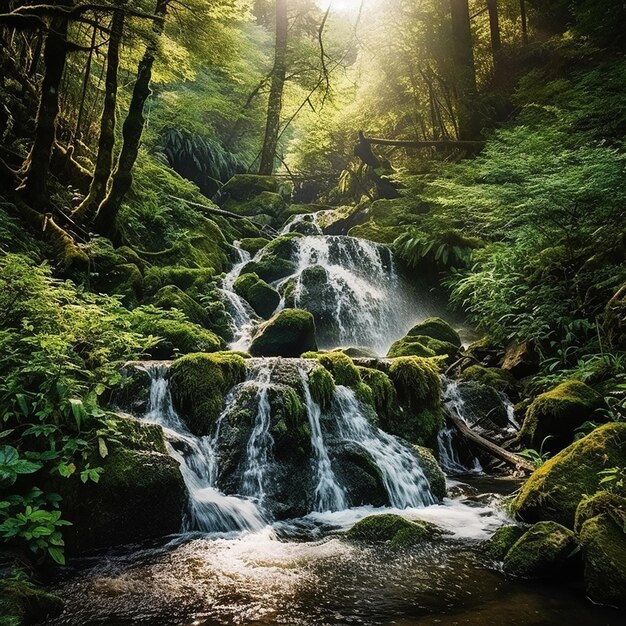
495,377
289,333
394,529
172,297
521,360
553,416
266,204
603,544
260,296
483,407
498,545
547,549
244,187
436,328
253,244
554,491
484,352
598,504
433,472
22,603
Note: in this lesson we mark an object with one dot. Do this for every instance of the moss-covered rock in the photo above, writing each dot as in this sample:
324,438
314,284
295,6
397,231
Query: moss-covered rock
603,502
483,407
357,352
498,545
342,368
375,232
289,333
554,491
398,531
270,267
267,203
172,297
433,472
543,551
193,281
417,381
260,296
384,397
22,603
494,377
521,360
253,244
322,386
436,328
246,186
409,346
200,383
603,544
557,413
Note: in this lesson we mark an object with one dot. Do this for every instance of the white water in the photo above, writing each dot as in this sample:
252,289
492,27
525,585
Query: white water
404,480
209,509
329,495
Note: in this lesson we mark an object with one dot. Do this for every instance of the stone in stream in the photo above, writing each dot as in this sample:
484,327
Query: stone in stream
395,529
262,297
289,333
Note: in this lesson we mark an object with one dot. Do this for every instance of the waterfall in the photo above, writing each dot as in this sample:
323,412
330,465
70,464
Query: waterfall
209,510
329,495
404,480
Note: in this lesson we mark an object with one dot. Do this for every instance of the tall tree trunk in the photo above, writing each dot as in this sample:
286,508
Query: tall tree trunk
106,143
106,219
83,95
494,29
37,165
463,53
275,103
522,9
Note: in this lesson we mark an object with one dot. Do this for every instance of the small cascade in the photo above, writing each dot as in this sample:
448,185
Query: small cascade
306,224
260,443
209,509
404,480
329,495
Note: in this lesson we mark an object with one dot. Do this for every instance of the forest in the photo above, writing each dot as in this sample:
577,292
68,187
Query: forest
312,312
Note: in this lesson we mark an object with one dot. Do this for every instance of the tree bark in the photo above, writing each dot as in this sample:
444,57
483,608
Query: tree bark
463,56
104,159
275,103
106,218
37,165
522,9
494,29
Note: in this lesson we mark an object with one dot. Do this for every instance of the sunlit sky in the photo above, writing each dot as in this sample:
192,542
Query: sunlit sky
342,6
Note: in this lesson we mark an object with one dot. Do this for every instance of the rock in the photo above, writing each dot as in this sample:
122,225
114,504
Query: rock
424,346
552,418
321,386
598,504
171,297
244,187
362,479
604,554
199,384
270,268
262,297
357,352
289,333
498,545
266,204
547,549
483,407
554,491
22,603
495,377
436,328
521,360
398,531
253,244
485,353
433,472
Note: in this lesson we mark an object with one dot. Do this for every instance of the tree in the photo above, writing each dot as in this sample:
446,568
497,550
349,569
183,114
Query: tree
275,103
494,30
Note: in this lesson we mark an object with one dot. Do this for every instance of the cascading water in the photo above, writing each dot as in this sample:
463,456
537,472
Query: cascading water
404,480
209,510
329,495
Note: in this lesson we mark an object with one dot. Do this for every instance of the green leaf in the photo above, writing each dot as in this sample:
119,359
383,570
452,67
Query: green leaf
102,448
21,401
78,410
57,554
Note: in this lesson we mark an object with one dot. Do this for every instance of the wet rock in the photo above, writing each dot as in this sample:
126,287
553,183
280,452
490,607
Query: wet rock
436,328
521,360
498,545
433,472
495,377
260,296
289,333
485,353
554,491
253,244
547,549
552,418
398,531
483,407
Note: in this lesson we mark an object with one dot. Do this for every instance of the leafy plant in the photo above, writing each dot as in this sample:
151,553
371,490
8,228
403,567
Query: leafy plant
613,478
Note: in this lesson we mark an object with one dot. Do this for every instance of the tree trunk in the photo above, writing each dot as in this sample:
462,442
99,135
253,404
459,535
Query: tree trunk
494,29
522,9
37,165
106,143
463,54
87,75
275,103
106,219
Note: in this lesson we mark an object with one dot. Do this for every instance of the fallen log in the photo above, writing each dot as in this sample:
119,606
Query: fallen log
409,143
508,457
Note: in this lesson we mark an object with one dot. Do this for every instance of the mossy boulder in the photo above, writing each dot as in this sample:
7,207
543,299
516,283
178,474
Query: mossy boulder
521,360
260,296
433,472
253,244
267,203
22,603
193,281
321,386
603,544
409,346
494,377
436,328
383,393
553,416
200,383
289,333
603,502
554,491
246,186
498,545
483,406
375,232
394,529
545,550
172,297
270,267
342,368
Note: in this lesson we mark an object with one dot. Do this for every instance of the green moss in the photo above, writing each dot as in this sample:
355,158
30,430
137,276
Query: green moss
22,603
303,209
134,434
417,381
322,386
374,232
397,211
283,246
603,502
384,398
604,554
436,328
200,383
557,413
289,333
492,376
247,186
398,531
408,346
432,471
171,297
261,297
342,368
356,352
554,491
265,203
270,268
193,281
502,541
253,244
545,550
290,426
